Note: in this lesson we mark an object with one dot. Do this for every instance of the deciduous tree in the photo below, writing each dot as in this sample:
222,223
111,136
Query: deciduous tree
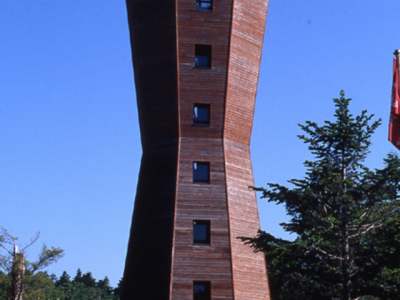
20,278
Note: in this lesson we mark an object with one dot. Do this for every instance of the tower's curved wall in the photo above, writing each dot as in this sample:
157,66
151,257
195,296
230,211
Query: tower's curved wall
153,40
163,261
246,40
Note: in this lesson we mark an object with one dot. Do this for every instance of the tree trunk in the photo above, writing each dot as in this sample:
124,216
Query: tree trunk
18,272
346,265
345,235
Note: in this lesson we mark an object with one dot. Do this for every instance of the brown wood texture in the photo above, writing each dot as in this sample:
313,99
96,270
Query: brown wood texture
248,25
202,201
162,261
148,262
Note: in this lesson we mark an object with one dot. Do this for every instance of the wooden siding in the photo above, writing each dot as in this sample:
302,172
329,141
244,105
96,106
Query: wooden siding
248,25
148,263
202,201
162,261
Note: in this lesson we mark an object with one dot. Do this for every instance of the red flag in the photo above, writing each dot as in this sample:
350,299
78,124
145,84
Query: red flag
394,131
394,126
395,89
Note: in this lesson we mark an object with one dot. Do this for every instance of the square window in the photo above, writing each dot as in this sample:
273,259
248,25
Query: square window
201,290
201,232
204,5
201,172
202,56
201,114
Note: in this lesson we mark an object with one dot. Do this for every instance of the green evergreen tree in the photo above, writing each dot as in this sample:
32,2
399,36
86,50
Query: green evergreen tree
117,290
105,286
88,280
82,287
345,217
78,276
64,279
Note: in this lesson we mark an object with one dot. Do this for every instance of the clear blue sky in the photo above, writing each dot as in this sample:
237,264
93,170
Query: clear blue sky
70,145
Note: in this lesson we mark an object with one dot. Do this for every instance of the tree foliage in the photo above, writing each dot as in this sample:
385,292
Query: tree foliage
345,217
20,278
83,287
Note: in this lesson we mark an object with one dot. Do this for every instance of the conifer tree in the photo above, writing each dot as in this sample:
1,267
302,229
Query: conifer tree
64,279
343,214
83,286
78,276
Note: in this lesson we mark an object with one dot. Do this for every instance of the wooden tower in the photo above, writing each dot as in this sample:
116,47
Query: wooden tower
196,66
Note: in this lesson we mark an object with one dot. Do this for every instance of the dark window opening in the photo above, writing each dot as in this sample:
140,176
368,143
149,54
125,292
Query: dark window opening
201,232
204,4
201,114
201,290
201,172
202,56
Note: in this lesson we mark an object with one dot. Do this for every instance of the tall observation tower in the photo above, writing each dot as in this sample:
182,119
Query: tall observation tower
196,66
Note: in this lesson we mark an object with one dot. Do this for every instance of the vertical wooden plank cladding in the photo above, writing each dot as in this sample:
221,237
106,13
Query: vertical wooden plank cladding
153,41
162,261
202,201
248,25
